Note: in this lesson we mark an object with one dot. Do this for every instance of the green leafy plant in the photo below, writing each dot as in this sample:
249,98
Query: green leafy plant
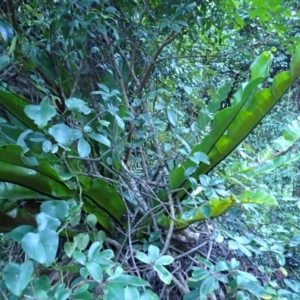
206,281
153,258
90,263
135,112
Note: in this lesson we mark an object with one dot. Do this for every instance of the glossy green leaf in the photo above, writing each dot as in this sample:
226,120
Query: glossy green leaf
41,246
69,248
91,220
79,105
95,270
17,277
153,252
41,284
82,240
131,292
241,295
143,257
94,250
82,293
100,138
4,61
79,257
208,285
84,148
18,233
41,114
6,31
255,289
199,274
172,117
14,193
106,197
56,209
16,105
114,291
130,280
62,292
45,221
164,275
149,295
34,180
62,133
257,197
164,260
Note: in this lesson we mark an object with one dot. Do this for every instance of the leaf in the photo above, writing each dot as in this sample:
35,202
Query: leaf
103,195
143,257
188,89
153,253
41,114
172,117
120,122
94,250
41,246
205,262
56,208
189,171
247,276
61,133
199,274
130,280
257,197
79,257
95,270
164,260
6,31
199,157
261,66
18,233
82,240
82,293
164,275
84,148
45,221
69,248
113,291
149,295
131,292
241,295
62,292
100,138
79,105
204,180
206,210
208,285
4,61
16,105
17,277
221,266
91,220
47,146
41,284
28,172
255,289
280,258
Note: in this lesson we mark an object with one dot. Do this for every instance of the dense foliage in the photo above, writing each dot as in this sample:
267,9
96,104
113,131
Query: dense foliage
128,169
